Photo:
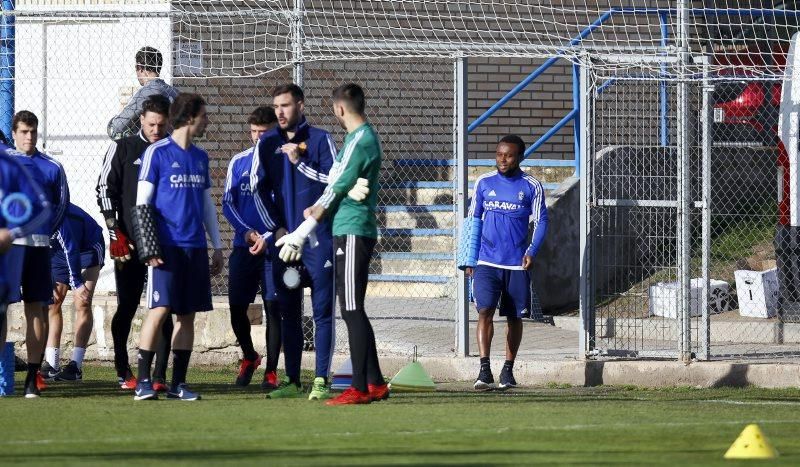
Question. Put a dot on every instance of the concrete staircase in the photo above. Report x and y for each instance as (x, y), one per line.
(415, 256)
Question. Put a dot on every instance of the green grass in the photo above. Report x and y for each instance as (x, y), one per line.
(96, 423)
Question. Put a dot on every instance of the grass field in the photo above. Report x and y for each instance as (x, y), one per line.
(96, 423)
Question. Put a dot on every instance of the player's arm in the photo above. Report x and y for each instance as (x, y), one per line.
(317, 170)
(71, 246)
(229, 199)
(261, 189)
(540, 219)
(121, 124)
(62, 202)
(473, 230)
(109, 198)
(212, 229)
(145, 230)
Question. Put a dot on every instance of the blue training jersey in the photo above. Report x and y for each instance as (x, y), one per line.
(49, 174)
(238, 203)
(180, 178)
(292, 187)
(507, 205)
(79, 233)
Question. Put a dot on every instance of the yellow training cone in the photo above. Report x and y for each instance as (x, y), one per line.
(751, 444)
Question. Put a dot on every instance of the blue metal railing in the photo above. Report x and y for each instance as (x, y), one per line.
(573, 115)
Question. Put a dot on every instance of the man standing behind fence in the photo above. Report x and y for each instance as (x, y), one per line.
(148, 68)
(504, 203)
(116, 195)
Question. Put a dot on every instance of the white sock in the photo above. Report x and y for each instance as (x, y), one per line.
(77, 355)
(53, 356)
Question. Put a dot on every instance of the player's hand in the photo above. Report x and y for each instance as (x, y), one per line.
(217, 262)
(155, 262)
(82, 293)
(292, 247)
(469, 271)
(259, 246)
(119, 246)
(527, 262)
(5, 240)
(59, 292)
(292, 151)
(251, 237)
(360, 191)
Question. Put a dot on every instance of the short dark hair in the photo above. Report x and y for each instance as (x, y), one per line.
(517, 141)
(149, 59)
(157, 104)
(262, 115)
(352, 95)
(185, 107)
(24, 116)
(293, 89)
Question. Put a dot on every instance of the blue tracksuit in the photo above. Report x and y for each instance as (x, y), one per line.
(239, 207)
(49, 174)
(15, 178)
(77, 245)
(290, 189)
(507, 204)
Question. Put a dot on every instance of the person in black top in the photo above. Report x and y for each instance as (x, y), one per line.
(116, 195)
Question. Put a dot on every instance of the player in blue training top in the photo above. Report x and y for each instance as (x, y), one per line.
(291, 168)
(19, 192)
(174, 212)
(77, 253)
(248, 271)
(29, 258)
(504, 203)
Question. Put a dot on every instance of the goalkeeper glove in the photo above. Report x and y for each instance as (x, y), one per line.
(119, 246)
(360, 191)
(292, 243)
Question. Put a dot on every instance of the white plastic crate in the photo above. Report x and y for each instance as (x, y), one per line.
(757, 293)
(664, 297)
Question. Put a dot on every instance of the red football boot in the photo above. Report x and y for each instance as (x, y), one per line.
(350, 396)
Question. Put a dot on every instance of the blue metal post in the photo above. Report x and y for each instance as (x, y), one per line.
(7, 47)
(664, 110)
(576, 105)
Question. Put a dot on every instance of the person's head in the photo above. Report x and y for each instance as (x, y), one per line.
(155, 117)
(25, 129)
(148, 64)
(189, 110)
(348, 100)
(509, 154)
(261, 120)
(288, 101)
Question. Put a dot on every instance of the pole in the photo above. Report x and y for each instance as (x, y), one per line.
(586, 338)
(462, 195)
(683, 171)
(7, 64)
(298, 67)
(705, 116)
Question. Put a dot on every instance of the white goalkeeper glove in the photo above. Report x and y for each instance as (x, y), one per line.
(292, 243)
(360, 191)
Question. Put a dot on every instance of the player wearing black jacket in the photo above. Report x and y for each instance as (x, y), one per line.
(116, 195)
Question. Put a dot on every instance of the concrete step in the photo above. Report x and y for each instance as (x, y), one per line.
(415, 240)
(419, 264)
(384, 285)
(412, 217)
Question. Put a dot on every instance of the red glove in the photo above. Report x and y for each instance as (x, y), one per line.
(120, 247)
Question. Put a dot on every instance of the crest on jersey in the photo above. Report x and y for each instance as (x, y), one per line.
(521, 195)
(156, 296)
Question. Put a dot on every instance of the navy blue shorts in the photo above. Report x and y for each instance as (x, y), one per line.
(28, 268)
(505, 289)
(246, 275)
(182, 283)
(89, 259)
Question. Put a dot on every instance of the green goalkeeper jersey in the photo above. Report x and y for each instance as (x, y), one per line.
(360, 157)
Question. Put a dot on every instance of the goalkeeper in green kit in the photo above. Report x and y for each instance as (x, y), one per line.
(355, 233)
